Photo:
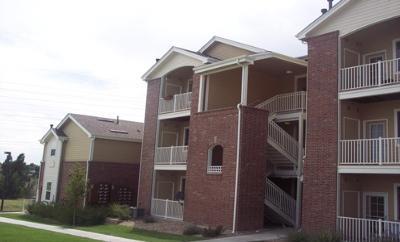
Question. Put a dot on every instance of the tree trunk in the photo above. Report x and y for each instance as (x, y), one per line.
(2, 204)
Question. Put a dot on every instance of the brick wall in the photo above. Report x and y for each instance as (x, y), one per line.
(66, 169)
(319, 187)
(40, 182)
(148, 145)
(209, 198)
(252, 169)
(117, 174)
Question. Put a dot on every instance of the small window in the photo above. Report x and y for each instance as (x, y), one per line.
(48, 191)
(52, 152)
(215, 159)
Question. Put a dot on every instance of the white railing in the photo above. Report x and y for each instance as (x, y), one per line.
(287, 102)
(280, 199)
(370, 75)
(179, 102)
(381, 151)
(359, 229)
(174, 155)
(167, 208)
(281, 138)
(214, 169)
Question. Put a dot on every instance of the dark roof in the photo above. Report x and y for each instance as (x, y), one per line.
(59, 132)
(109, 128)
(213, 59)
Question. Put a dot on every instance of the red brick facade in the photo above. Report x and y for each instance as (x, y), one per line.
(65, 171)
(320, 167)
(252, 169)
(208, 197)
(148, 145)
(40, 183)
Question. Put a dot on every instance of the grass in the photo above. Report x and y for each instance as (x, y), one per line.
(17, 233)
(113, 229)
(14, 205)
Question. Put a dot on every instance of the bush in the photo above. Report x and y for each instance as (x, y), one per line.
(327, 237)
(212, 232)
(298, 237)
(119, 211)
(191, 230)
(149, 219)
(64, 214)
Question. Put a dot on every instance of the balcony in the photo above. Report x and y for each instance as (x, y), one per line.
(177, 105)
(167, 208)
(362, 155)
(373, 79)
(171, 158)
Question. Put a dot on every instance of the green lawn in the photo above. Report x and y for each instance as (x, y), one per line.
(15, 205)
(17, 233)
(115, 230)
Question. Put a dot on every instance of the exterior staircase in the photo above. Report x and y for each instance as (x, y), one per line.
(282, 149)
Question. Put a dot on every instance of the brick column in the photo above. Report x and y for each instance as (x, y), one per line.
(320, 167)
(148, 145)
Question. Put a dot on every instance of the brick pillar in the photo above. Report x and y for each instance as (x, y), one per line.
(320, 167)
(40, 182)
(252, 169)
(148, 145)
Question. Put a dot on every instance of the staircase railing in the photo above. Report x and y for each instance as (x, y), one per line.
(281, 200)
(279, 137)
(286, 102)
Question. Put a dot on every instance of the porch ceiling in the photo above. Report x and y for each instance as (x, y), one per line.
(381, 98)
(278, 67)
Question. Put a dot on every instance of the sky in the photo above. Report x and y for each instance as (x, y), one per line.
(88, 56)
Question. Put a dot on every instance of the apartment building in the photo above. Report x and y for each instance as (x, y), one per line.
(107, 149)
(224, 136)
(352, 164)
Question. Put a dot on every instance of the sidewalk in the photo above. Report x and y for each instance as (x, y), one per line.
(75, 232)
(267, 235)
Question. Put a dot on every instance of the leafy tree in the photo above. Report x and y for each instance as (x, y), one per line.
(76, 189)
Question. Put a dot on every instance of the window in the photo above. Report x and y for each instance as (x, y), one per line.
(375, 205)
(48, 191)
(52, 152)
(215, 159)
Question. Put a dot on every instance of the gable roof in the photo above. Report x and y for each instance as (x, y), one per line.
(239, 45)
(105, 128)
(195, 55)
(321, 19)
(59, 134)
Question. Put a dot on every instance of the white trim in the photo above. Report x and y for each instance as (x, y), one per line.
(170, 132)
(302, 34)
(184, 135)
(352, 52)
(358, 123)
(367, 92)
(170, 167)
(206, 94)
(231, 43)
(201, 94)
(377, 194)
(174, 115)
(172, 50)
(158, 188)
(382, 53)
(244, 84)
(396, 207)
(368, 169)
(386, 121)
(358, 201)
(235, 199)
(172, 85)
(396, 128)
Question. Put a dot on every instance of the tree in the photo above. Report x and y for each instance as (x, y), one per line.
(13, 178)
(76, 189)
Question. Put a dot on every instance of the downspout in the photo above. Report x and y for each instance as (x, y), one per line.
(90, 158)
(237, 170)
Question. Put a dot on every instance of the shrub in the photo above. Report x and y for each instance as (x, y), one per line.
(212, 232)
(298, 237)
(119, 211)
(149, 219)
(191, 230)
(326, 237)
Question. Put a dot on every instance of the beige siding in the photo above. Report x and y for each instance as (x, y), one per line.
(358, 14)
(116, 151)
(173, 62)
(223, 51)
(78, 144)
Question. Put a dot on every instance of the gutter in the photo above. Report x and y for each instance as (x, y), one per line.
(237, 172)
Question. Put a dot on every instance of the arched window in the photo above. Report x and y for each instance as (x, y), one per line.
(215, 159)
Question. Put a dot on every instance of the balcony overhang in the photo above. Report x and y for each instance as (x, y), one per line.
(172, 115)
(370, 169)
(170, 167)
(369, 92)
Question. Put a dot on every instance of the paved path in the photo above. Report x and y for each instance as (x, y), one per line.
(267, 235)
(62, 230)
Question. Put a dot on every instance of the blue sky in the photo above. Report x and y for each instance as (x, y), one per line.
(59, 57)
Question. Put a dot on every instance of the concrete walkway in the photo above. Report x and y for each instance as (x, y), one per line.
(265, 235)
(74, 232)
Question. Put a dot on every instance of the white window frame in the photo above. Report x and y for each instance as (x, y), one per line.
(365, 122)
(374, 54)
(48, 190)
(396, 207)
(209, 160)
(358, 200)
(358, 123)
(184, 135)
(376, 194)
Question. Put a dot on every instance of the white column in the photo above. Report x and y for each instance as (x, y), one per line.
(201, 94)
(299, 171)
(245, 80)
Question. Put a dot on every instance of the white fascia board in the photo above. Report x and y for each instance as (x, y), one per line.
(290, 59)
(303, 33)
(225, 64)
(170, 52)
(232, 43)
(117, 139)
(44, 138)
